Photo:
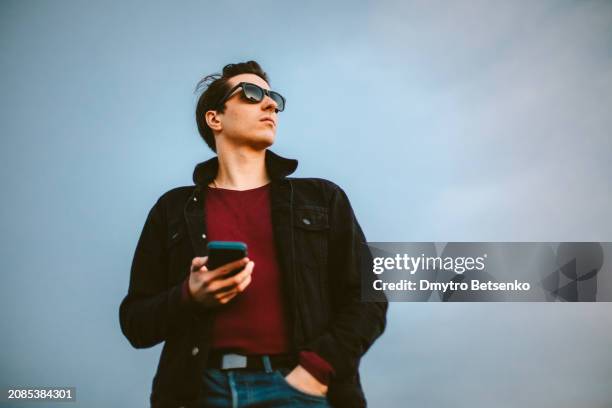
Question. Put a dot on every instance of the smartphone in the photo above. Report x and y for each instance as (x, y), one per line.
(223, 252)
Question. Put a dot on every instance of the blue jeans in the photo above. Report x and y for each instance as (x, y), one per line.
(254, 388)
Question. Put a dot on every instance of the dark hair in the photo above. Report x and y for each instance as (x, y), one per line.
(216, 86)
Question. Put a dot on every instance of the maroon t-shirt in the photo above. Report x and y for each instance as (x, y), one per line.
(253, 322)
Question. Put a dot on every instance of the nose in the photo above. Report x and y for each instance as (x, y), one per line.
(269, 104)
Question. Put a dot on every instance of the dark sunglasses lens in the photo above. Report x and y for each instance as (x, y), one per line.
(252, 92)
(280, 101)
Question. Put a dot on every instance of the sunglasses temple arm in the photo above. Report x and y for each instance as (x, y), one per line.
(222, 100)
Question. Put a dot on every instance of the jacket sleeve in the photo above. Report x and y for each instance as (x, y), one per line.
(354, 324)
(151, 310)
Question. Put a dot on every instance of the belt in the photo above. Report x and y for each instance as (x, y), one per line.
(225, 361)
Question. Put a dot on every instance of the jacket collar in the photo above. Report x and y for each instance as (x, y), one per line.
(277, 167)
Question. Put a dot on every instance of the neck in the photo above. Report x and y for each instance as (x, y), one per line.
(241, 168)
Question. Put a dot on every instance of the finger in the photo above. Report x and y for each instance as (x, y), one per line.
(228, 267)
(247, 271)
(237, 289)
(198, 262)
(223, 285)
(240, 276)
(204, 268)
(242, 286)
(226, 297)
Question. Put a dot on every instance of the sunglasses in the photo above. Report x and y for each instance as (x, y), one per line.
(255, 94)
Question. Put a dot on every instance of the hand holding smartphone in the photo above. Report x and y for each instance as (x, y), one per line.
(229, 268)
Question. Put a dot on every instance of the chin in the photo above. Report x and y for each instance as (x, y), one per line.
(262, 141)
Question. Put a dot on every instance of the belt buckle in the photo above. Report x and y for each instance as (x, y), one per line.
(231, 360)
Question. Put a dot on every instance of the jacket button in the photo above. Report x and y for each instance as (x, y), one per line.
(203, 236)
(195, 351)
(306, 221)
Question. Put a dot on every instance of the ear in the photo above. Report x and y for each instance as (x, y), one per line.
(213, 121)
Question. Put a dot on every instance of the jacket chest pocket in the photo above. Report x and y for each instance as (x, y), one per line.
(177, 246)
(311, 228)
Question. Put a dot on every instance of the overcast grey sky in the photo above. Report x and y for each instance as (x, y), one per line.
(443, 121)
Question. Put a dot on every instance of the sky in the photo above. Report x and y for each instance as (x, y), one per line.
(443, 121)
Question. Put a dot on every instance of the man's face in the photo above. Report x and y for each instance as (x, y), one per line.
(244, 122)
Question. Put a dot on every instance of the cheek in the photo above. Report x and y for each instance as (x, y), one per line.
(241, 119)
(244, 121)
(235, 123)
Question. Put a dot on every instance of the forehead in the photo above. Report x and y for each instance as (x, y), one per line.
(252, 78)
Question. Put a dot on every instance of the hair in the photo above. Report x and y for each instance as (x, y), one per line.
(216, 85)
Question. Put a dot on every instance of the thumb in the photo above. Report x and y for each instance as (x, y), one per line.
(198, 263)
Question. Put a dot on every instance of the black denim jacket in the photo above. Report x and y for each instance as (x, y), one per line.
(320, 246)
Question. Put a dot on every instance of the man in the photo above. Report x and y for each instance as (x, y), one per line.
(290, 328)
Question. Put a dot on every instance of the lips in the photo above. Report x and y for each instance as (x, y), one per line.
(268, 120)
